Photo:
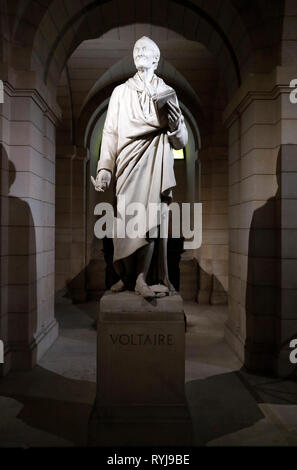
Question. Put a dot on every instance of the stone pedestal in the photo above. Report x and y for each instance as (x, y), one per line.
(141, 373)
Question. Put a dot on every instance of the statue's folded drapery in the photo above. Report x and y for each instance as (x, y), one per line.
(138, 147)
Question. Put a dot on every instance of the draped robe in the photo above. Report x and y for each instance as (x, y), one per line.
(137, 147)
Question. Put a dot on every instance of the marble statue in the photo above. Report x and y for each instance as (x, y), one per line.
(144, 122)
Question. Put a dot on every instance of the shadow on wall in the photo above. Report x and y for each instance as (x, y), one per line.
(19, 243)
(267, 345)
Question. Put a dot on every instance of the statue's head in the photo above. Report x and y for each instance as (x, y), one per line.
(146, 54)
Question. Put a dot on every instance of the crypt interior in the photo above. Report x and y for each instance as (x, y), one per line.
(231, 63)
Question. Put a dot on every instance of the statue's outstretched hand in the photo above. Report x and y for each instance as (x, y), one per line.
(174, 115)
(102, 181)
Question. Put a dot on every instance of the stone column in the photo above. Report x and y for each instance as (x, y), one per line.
(188, 277)
(65, 155)
(286, 213)
(78, 222)
(213, 254)
(96, 265)
(262, 197)
(4, 143)
(71, 221)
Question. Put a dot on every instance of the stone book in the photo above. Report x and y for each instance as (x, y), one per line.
(161, 101)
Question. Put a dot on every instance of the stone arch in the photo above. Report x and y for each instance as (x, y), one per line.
(188, 18)
(263, 20)
(235, 31)
(287, 49)
(4, 34)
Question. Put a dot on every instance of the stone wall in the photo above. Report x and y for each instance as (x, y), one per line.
(28, 325)
(262, 198)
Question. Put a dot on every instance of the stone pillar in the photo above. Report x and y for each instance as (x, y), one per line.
(65, 155)
(71, 221)
(286, 214)
(30, 227)
(213, 254)
(4, 143)
(141, 373)
(96, 265)
(262, 197)
(79, 225)
(188, 277)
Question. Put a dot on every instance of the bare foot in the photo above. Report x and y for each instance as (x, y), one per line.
(118, 287)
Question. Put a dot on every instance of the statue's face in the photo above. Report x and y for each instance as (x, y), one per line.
(144, 55)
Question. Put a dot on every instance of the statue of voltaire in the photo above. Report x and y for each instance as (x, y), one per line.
(137, 146)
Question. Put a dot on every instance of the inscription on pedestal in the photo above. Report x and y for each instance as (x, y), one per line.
(142, 339)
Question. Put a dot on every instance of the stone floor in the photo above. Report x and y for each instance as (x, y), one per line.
(50, 405)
